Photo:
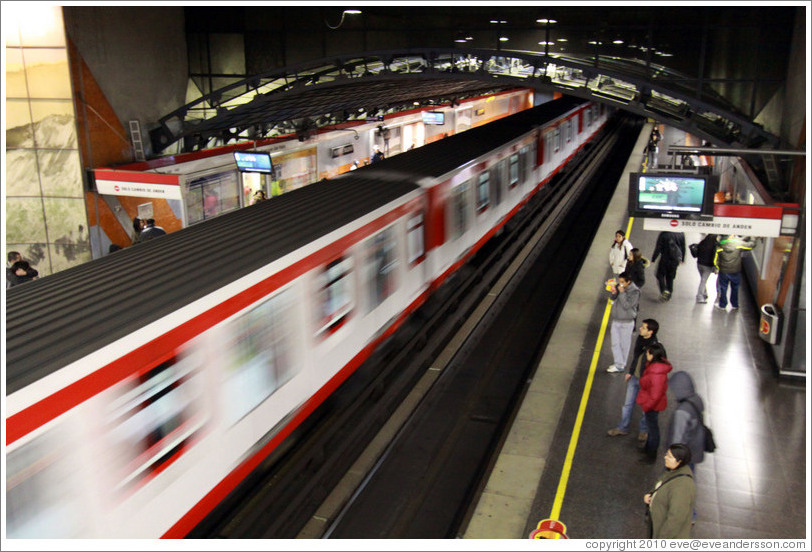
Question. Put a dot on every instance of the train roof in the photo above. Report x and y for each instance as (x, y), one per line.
(58, 319)
(63, 317)
(441, 157)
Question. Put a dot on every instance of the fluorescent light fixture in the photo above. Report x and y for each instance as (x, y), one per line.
(562, 40)
(352, 12)
(546, 21)
(618, 41)
(503, 39)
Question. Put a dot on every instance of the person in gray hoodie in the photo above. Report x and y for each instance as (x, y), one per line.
(685, 424)
(626, 298)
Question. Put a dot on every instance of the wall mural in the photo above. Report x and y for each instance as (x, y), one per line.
(46, 217)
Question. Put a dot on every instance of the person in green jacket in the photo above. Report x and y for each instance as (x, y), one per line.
(671, 501)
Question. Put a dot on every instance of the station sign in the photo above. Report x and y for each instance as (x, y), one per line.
(768, 228)
(135, 184)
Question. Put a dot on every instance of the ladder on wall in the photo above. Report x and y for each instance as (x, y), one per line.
(135, 138)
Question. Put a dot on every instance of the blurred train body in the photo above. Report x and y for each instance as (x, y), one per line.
(144, 386)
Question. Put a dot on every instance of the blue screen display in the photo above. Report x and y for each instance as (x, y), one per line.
(252, 161)
(433, 118)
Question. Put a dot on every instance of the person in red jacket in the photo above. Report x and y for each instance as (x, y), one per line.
(652, 397)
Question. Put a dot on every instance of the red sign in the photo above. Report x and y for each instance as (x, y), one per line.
(765, 327)
(674, 223)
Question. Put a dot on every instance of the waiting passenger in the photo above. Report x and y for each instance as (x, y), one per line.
(151, 231)
(22, 272)
(626, 297)
(138, 225)
(728, 261)
(671, 250)
(378, 155)
(671, 502)
(652, 397)
(258, 196)
(619, 253)
(11, 258)
(636, 267)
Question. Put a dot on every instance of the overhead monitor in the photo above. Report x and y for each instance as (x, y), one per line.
(253, 161)
(671, 195)
(433, 118)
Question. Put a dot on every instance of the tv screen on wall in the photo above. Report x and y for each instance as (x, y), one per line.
(671, 195)
(433, 118)
(253, 161)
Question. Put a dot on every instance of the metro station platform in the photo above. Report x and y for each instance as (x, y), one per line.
(558, 461)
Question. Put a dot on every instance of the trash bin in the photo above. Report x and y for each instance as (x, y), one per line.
(770, 327)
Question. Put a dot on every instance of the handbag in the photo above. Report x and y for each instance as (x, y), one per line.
(694, 248)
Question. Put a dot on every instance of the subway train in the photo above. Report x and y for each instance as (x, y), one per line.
(142, 387)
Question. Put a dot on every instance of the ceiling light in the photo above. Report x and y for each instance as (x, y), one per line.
(546, 21)
(494, 21)
(352, 12)
(562, 40)
(618, 41)
(545, 43)
(503, 39)
(469, 38)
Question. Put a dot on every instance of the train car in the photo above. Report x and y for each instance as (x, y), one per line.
(142, 387)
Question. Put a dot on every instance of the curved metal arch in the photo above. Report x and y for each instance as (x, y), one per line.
(285, 99)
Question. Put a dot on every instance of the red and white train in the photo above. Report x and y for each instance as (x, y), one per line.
(142, 387)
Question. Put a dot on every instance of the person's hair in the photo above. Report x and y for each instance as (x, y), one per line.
(113, 247)
(621, 232)
(137, 224)
(636, 255)
(625, 275)
(681, 453)
(652, 325)
(657, 352)
(14, 256)
(150, 222)
(20, 264)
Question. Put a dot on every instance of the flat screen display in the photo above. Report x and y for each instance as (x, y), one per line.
(433, 118)
(253, 161)
(670, 195)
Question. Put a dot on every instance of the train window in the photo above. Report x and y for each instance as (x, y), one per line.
(459, 210)
(415, 230)
(154, 419)
(588, 114)
(260, 359)
(568, 131)
(212, 195)
(335, 295)
(557, 139)
(380, 271)
(483, 192)
(514, 171)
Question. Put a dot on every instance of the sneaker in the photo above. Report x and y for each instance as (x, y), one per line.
(716, 306)
(642, 436)
(614, 369)
(614, 432)
(701, 300)
(734, 309)
(667, 295)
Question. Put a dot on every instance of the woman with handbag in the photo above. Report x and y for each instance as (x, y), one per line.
(670, 504)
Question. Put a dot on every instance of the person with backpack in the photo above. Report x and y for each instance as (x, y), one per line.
(728, 262)
(670, 249)
(686, 423)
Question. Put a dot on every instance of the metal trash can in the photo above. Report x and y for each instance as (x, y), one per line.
(770, 327)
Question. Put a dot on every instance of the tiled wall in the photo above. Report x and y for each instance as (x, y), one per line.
(46, 218)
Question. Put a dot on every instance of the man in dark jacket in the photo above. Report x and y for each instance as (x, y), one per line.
(647, 336)
(671, 250)
(728, 262)
(151, 231)
(706, 252)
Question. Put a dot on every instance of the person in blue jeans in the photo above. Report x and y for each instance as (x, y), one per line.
(728, 261)
(647, 336)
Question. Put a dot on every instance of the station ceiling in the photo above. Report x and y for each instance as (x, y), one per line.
(617, 54)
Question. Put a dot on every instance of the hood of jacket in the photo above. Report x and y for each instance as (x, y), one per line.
(681, 384)
(660, 367)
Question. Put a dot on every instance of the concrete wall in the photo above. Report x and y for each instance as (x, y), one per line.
(137, 56)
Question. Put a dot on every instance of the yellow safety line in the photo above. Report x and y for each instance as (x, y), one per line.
(576, 430)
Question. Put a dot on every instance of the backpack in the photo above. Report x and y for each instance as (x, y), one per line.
(674, 250)
(709, 443)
